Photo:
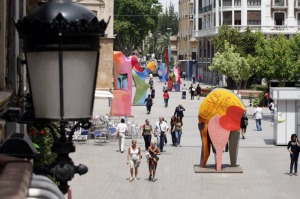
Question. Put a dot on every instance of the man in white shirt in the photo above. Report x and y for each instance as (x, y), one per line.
(258, 116)
(121, 129)
(161, 128)
(184, 89)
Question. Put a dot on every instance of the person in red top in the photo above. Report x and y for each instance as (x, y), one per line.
(166, 98)
(267, 98)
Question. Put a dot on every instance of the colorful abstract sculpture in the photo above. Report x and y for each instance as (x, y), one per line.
(121, 104)
(140, 85)
(162, 73)
(219, 114)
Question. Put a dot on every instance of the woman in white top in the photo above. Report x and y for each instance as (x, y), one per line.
(134, 158)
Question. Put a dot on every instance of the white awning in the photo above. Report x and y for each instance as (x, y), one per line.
(103, 94)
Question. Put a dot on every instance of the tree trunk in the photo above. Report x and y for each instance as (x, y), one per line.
(238, 84)
(245, 86)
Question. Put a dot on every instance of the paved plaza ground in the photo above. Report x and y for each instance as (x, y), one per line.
(265, 166)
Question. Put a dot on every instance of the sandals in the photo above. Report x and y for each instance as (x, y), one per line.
(131, 179)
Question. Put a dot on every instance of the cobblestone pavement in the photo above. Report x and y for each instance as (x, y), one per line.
(265, 166)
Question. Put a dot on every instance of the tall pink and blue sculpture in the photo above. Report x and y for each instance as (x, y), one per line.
(121, 104)
(127, 69)
(219, 120)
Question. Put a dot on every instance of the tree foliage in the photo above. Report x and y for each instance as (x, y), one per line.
(274, 58)
(232, 65)
(168, 19)
(133, 19)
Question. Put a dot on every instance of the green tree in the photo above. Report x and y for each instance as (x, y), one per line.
(232, 65)
(246, 42)
(162, 44)
(168, 19)
(273, 59)
(227, 34)
(294, 56)
(133, 19)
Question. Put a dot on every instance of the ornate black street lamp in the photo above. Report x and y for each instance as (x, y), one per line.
(61, 41)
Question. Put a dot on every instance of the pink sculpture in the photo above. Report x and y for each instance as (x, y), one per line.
(121, 104)
(219, 138)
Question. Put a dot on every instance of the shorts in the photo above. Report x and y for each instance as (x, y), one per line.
(134, 163)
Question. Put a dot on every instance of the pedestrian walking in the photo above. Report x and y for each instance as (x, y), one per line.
(192, 91)
(134, 159)
(121, 130)
(179, 112)
(165, 87)
(151, 82)
(267, 98)
(272, 109)
(183, 74)
(166, 98)
(153, 151)
(183, 89)
(149, 103)
(161, 128)
(200, 78)
(178, 131)
(258, 116)
(152, 93)
(193, 78)
(147, 130)
(293, 148)
(244, 124)
(198, 91)
(172, 129)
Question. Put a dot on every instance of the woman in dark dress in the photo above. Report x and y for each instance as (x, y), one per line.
(198, 91)
(244, 124)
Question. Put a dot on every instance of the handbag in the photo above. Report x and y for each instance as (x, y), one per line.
(161, 132)
(246, 122)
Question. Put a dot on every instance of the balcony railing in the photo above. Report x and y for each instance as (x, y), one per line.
(255, 28)
(280, 4)
(205, 9)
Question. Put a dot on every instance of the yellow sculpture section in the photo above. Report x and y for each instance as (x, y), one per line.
(151, 66)
(217, 102)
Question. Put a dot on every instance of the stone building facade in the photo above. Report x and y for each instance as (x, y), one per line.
(104, 9)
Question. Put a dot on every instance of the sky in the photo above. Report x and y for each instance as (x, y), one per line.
(166, 3)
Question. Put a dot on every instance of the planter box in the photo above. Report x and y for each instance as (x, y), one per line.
(244, 93)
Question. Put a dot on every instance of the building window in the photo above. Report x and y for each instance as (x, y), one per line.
(279, 18)
(298, 18)
(194, 55)
(298, 3)
(237, 17)
(200, 24)
(254, 18)
(227, 3)
(278, 2)
(253, 2)
(227, 18)
(237, 2)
